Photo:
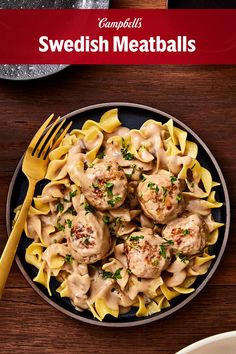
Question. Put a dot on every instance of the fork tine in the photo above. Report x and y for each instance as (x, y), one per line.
(45, 137)
(39, 133)
(49, 148)
(58, 141)
(50, 142)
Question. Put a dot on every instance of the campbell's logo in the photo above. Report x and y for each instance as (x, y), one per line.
(127, 23)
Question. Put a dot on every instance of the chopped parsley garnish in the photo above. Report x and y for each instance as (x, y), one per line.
(60, 207)
(95, 185)
(114, 201)
(168, 242)
(134, 168)
(128, 156)
(163, 250)
(73, 194)
(88, 208)
(163, 247)
(69, 223)
(143, 178)
(179, 197)
(136, 238)
(107, 275)
(109, 186)
(59, 226)
(72, 211)
(186, 232)
(118, 220)
(129, 175)
(125, 153)
(100, 155)
(115, 276)
(173, 179)
(164, 191)
(106, 219)
(68, 258)
(183, 258)
(129, 271)
(153, 187)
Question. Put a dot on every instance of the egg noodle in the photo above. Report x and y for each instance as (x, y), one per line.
(125, 220)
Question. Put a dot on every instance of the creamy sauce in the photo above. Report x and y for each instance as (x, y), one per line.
(115, 228)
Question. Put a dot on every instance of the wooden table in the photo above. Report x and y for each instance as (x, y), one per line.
(204, 98)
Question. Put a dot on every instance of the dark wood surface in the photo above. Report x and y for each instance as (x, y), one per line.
(204, 98)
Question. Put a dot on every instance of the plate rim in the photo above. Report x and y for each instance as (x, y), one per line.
(209, 275)
(205, 341)
(38, 77)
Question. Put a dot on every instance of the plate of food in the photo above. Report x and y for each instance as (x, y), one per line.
(131, 220)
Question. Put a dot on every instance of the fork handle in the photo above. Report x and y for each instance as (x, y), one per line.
(9, 251)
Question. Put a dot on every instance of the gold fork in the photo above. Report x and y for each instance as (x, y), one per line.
(34, 167)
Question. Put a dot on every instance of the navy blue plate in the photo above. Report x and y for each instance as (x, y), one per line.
(132, 116)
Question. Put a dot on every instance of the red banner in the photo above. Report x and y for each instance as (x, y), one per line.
(117, 36)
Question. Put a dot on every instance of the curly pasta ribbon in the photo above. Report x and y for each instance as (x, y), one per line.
(57, 170)
(169, 294)
(33, 254)
(54, 255)
(43, 277)
(93, 141)
(149, 287)
(147, 309)
(103, 309)
(109, 122)
(191, 149)
(63, 289)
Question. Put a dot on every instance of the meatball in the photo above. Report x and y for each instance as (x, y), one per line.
(188, 234)
(105, 185)
(160, 196)
(147, 255)
(88, 238)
